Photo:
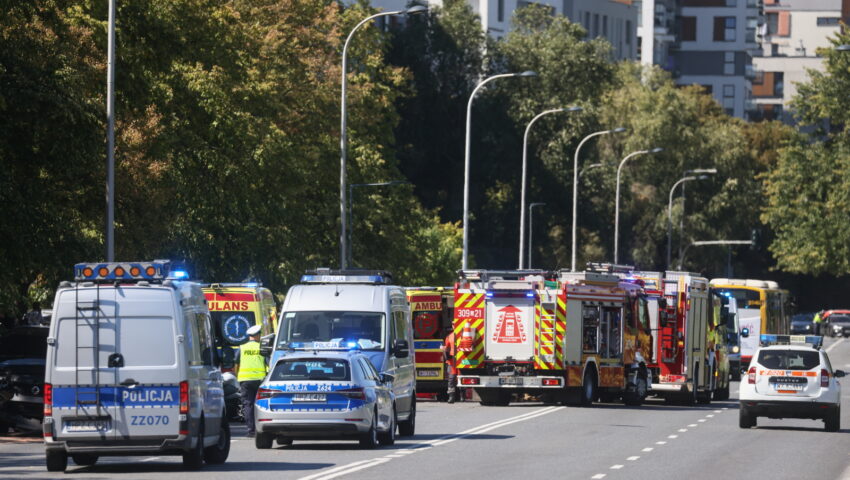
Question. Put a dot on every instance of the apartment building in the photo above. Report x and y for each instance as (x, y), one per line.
(615, 20)
(793, 32)
(657, 31)
(717, 39)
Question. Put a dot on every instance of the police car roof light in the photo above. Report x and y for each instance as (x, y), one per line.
(326, 275)
(178, 275)
(767, 339)
(156, 271)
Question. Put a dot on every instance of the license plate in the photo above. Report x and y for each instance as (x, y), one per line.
(428, 373)
(309, 397)
(510, 380)
(100, 425)
(792, 386)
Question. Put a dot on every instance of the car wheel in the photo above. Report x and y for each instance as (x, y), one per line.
(218, 453)
(57, 461)
(832, 421)
(194, 458)
(263, 441)
(407, 428)
(588, 391)
(284, 441)
(370, 438)
(745, 419)
(388, 437)
(84, 460)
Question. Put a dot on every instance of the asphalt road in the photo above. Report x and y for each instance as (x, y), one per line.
(525, 440)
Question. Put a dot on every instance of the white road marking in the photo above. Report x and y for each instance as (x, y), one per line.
(364, 464)
(661, 443)
(701, 420)
(616, 467)
(683, 430)
(829, 348)
(598, 476)
(672, 436)
(718, 411)
(709, 416)
(647, 449)
(633, 458)
(693, 425)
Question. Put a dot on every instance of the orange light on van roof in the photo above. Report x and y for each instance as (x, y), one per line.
(103, 271)
(135, 271)
(88, 272)
(151, 271)
(119, 272)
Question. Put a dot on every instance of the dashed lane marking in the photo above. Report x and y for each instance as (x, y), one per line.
(616, 467)
(692, 425)
(672, 436)
(598, 476)
(633, 458)
(701, 420)
(683, 430)
(709, 416)
(647, 449)
(661, 443)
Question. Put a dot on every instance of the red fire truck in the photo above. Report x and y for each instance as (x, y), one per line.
(689, 361)
(512, 336)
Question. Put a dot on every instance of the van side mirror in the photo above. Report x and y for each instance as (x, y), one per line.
(267, 345)
(838, 373)
(745, 332)
(401, 349)
(387, 378)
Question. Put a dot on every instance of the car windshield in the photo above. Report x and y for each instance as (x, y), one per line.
(839, 318)
(789, 359)
(801, 322)
(311, 369)
(322, 330)
(745, 298)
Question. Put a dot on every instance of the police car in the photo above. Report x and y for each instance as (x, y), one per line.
(791, 377)
(325, 395)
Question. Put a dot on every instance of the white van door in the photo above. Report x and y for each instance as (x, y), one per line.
(83, 338)
(510, 327)
(147, 363)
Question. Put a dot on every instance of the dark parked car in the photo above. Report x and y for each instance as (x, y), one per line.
(22, 361)
(838, 323)
(803, 324)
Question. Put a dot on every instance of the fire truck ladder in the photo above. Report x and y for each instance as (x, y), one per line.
(89, 324)
(547, 332)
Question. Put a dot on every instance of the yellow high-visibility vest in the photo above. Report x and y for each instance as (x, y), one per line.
(252, 365)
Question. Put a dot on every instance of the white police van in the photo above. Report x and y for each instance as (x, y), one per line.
(339, 310)
(132, 368)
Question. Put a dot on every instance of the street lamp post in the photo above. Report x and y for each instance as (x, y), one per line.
(527, 73)
(343, 134)
(525, 169)
(351, 187)
(110, 136)
(576, 174)
(530, 230)
(698, 171)
(617, 199)
(670, 207)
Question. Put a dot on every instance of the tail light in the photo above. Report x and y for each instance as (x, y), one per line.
(358, 393)
(824, 378)
(551, 382)
(751, 376)
(48, 399)
(264, 393)
(184, 397)
(470, 381)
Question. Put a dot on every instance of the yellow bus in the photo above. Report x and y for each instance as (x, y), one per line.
(762, 308)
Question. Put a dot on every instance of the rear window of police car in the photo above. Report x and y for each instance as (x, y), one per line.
(789, 359)
(311, 369)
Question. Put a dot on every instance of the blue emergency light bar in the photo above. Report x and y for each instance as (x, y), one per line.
(767, 339)
(326, 275)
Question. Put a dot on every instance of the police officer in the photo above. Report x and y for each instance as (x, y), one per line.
(250, 371)
(449, 348)
(818, 322)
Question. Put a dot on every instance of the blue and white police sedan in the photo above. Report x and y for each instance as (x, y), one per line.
(325, 395)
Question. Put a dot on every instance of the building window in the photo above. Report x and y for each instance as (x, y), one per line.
(728, 91)
(724, 29)
(595, 25)
(828, 21)
(752, 28)
(568, 9)
(689, 29)
(605, 26)
(728, 63)
(731, 3)
(500, 11)
(628, 32)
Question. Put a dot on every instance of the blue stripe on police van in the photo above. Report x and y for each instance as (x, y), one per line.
(141, 396)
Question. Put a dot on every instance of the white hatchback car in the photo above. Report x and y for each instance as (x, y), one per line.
(325, 395)
(791, 377)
